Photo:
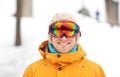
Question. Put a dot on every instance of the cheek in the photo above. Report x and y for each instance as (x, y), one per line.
(54, 41)
(73, 42)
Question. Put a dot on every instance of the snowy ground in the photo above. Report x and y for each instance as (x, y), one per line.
(100, 41)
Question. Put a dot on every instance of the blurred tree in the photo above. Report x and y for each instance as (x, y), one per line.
(84, 11)
(24, 8)
(112, 11)
(18, 16)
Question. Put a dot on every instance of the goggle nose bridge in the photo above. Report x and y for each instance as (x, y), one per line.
(64, 35)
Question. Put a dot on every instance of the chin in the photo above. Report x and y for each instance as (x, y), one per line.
(64, 50)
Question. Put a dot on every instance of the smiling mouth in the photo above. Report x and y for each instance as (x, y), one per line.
(63, 43)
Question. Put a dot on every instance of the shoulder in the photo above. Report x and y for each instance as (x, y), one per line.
(31, 68)
(95, 67)
(91, 63)
(91, 67)
(37, 63)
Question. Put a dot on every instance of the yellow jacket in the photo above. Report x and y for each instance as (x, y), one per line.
(63, 65)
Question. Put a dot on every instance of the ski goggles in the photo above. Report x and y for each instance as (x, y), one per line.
(64, 28)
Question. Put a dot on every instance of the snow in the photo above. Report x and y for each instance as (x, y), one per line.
(99, 40)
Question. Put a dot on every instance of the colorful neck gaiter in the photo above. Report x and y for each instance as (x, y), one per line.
(53, 50)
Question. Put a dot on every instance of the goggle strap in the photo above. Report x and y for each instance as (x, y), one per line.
(80, 34)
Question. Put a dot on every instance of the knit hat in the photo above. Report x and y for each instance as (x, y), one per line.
(63, 16)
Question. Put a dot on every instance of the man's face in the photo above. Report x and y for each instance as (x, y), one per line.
(64, 34)
(63, 44)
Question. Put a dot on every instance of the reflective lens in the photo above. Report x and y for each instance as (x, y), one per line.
(68, 29)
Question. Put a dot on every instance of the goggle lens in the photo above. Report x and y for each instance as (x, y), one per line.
(70, 29)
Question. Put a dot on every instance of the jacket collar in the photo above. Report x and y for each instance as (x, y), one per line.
(61, 58)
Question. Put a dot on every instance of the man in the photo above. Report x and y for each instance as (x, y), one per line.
(62, 55)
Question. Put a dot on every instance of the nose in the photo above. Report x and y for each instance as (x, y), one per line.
(64, 38)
